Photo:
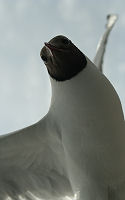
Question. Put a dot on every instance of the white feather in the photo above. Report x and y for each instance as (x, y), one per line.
(98, 60)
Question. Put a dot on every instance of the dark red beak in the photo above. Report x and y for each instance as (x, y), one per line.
(52, 47)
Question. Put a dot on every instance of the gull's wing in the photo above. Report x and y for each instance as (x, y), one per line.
(32, 164)
(98, 60)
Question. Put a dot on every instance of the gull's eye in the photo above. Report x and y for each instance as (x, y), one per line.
(65, 41)
(44, 58)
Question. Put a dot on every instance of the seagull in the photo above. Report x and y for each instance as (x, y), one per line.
(101, 47)
(77, 150)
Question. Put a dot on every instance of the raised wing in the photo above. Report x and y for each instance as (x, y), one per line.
(98, 60)
(32, 164)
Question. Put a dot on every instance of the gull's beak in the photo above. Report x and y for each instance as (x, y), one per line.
(49, 47)
(52, 47)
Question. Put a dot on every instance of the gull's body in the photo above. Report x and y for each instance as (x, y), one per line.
(79, 146)
(92, 131)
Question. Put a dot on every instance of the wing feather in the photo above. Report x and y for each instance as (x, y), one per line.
(98, 60)
(30, 167)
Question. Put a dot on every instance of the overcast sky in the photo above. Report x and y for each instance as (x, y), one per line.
(25, 25)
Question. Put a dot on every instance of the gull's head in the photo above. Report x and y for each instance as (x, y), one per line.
(62, 58)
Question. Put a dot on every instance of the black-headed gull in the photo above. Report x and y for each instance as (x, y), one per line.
(77, 150)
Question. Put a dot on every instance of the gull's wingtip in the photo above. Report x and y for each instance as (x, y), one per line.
(111, 20)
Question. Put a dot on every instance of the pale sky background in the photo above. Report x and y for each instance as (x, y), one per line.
(25, 25)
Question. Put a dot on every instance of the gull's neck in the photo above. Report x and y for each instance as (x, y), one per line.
(87, 100)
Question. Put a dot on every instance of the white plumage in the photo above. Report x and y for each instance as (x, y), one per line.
(77, 150)
(98, 60)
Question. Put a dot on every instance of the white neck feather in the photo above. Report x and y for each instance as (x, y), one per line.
(88, 94)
